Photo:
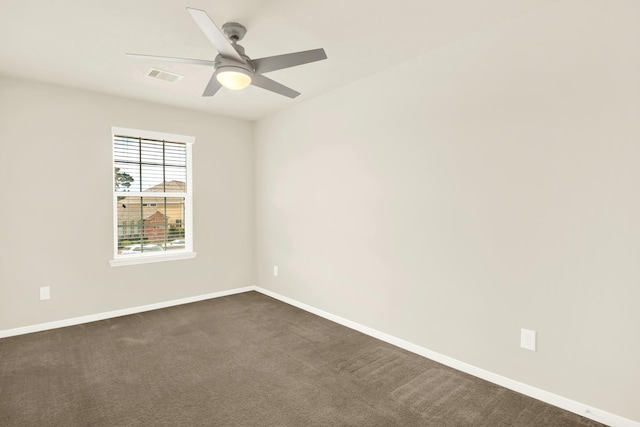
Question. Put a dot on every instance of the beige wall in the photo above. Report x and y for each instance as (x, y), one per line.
(56, 164)
(488, 186)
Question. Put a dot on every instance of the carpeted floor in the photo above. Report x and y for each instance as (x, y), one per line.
(242, 360)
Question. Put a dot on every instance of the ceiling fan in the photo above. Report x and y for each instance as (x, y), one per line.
(233, 69)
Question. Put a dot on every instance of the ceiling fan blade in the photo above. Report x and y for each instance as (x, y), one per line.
(272, 63)
(212, 87)
(273, 86)
(214, 34)
(172, 59)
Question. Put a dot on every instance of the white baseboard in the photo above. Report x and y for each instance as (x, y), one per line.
(536, 393)
(586, 411)
(117, 313)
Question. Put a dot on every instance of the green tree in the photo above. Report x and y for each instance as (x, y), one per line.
(122, 180)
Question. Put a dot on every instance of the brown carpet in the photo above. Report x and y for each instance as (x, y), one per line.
(242, 360)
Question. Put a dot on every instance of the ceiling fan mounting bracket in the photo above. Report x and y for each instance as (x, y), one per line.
(233, 31)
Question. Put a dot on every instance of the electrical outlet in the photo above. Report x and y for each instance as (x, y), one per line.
(45, 292)
(275, 270)
(528, 339)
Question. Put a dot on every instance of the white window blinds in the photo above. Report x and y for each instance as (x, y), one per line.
(152, 195)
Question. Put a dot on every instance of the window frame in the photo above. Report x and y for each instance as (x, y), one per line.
(152, 257)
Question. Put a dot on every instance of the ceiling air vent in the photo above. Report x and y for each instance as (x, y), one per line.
(163, 75)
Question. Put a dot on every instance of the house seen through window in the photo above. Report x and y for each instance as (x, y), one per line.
(152, 195)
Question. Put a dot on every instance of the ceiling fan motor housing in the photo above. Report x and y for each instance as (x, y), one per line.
(222, 62)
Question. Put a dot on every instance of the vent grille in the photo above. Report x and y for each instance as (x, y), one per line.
(163, 75)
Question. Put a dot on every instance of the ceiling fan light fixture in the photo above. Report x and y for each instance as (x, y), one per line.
(234, 78)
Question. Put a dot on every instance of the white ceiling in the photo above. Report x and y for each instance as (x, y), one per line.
(81, 43)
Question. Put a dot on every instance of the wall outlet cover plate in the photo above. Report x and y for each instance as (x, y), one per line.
(528, 339)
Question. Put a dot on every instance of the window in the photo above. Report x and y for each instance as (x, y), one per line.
(152, 200)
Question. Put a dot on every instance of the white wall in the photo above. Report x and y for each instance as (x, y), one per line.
(56, 215)
(488, 186)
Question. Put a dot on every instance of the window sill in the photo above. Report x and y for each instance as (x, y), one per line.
(147, 259)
